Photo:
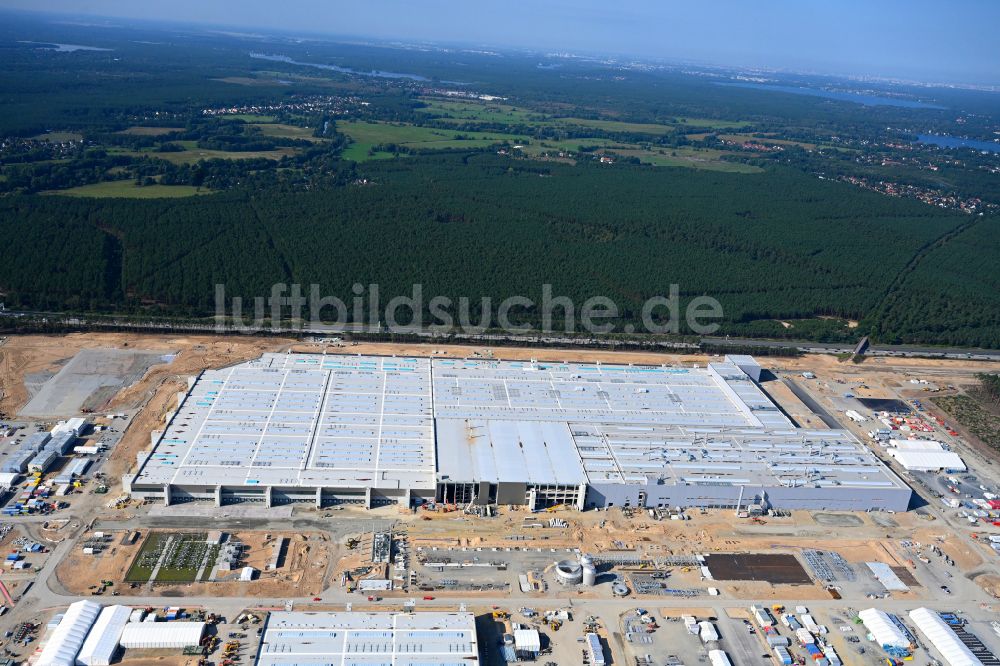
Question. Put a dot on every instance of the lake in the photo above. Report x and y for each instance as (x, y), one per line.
(946, 141)
(342, 70)
(860, 98)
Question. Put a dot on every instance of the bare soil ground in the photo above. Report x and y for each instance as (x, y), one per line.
(304, 572)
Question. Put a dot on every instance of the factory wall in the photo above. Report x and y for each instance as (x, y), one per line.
(779, 497)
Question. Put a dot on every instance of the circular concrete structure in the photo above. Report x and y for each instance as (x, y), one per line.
(569, 572)
(619, 589)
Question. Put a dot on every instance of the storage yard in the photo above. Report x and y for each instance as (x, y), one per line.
(443, 507)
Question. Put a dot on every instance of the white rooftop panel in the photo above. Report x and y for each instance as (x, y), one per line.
(425, 639)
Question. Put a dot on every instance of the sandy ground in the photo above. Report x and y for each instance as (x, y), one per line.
(304, 572)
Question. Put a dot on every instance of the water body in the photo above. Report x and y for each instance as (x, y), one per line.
(343, 70)
(860, 98)
(63, 48)
(946, 141)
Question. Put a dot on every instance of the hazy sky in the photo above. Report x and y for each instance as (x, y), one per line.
(929, 40)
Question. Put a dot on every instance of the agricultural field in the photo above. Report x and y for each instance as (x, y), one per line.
(251, 117)
(487, 112)
(367, 135)
(138, 130)
(491, 112)
(58, 137)
(692, 158)
(192, 153)
(287, 131)
(127, 189)
(172, 558)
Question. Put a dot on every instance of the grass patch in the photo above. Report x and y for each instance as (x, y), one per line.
(192, 154)
(487, 112)
(368, 134)
(58, 137)
(145, 560)
(978, 420)
(139, 130)
(251, 117)
(127, 189)
(287, 131)
(617, 126)
(691, 158)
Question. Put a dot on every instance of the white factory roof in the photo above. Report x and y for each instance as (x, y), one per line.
(883, 629)
(944, 640)
(303, 420)
(150, 635)
(66, 639)
(102, 641)
(369, 639)
(329, 421)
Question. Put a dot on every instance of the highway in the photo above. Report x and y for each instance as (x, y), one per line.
(618, 341)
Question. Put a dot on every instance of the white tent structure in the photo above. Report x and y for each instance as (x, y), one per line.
(939, 634)
(102, 641)
(151, 635)
(527, 642)
(883, 629)
(719, 658)
(67, 638)
(923, 460)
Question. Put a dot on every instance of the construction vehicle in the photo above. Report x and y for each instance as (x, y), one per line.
(500, 615)
(778, 608)
(555, 624)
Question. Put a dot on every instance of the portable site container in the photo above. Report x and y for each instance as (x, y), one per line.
(778, 641)
(784, 657)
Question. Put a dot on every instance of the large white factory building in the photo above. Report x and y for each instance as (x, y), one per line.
(335, 428)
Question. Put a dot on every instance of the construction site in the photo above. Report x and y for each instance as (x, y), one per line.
(441, 505)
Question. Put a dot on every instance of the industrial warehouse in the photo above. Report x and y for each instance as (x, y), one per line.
(374, 430)
(403, 639)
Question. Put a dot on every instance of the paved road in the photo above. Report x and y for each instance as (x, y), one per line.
(874, 350)
(542, 340)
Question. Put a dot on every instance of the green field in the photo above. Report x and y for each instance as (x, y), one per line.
(127, 189)
(138, 130)
(367, 134)
(487, 112)
(287, 131)
(692, 158)
(475, 111)
(250, 117)
(192, 153)
(58, 137)
(182, 555)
